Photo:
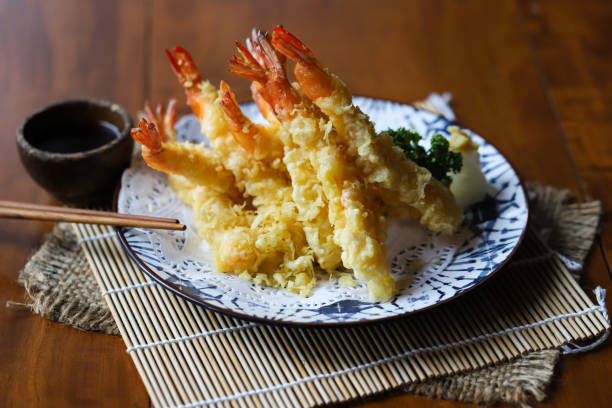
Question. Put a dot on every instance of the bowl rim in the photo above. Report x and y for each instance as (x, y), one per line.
(44, 155)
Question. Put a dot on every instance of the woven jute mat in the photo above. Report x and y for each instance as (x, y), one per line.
(61, 287)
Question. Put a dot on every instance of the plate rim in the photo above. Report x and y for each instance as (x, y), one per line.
(277, 322)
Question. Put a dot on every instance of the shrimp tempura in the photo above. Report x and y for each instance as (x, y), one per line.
(356, 228)
(252, 244)
(253, 154)
(383, 164)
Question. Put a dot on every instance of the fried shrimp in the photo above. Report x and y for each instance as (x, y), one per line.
(201, 96)
(316, 184)
(356, 228)
(253, 154)
(231, 134)
(383, 165)
(194, 162)
(266, 184)
(255, 140)
(258, 94)
(272, 193)
(266, 245)
(216, 215)
(307, 190)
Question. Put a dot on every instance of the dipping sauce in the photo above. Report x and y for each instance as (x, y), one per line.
(76, 137)
(77, 150)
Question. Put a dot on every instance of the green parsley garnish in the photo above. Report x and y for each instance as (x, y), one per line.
(438, 159)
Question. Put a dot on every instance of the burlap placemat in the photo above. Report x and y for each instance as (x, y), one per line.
(60, 285)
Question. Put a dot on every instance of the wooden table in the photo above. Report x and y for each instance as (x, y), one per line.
(533, 77)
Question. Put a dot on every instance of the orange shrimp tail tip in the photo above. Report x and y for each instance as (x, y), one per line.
(183, 66)
(290, 46)
(310, 74)
(281, 96)
(254, 45)
(175, 66)
(163, 119)
(257, 92)
(225, 89)
(265, 53)
(236, 119)
(259, 96)
(246, 66)
(147, 135)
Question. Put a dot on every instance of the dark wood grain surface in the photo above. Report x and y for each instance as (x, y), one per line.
(533, 77)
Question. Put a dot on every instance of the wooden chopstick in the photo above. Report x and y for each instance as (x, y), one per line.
(41, 207)
(27, 211)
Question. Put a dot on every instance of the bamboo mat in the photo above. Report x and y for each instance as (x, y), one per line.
(188, 356)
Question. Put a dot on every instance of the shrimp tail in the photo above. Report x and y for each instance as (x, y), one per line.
(258, 93)
(264, 52)
(263, 64)
(236, 118)
(163, 119)
(188, 76)
(147, 135)
(183, 66)
(258, 59)
(291, 47)
(255, 47)
(245, 65)
(313, 78)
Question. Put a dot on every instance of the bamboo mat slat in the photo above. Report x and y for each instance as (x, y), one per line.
(190, 356)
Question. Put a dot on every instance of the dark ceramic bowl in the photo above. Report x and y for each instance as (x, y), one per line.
(86, 169)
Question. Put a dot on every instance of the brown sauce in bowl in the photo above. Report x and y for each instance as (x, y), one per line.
(76, 137)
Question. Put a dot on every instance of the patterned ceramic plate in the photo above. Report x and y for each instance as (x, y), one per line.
(429, 268)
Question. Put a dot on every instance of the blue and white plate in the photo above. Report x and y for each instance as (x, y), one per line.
(429, 268)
